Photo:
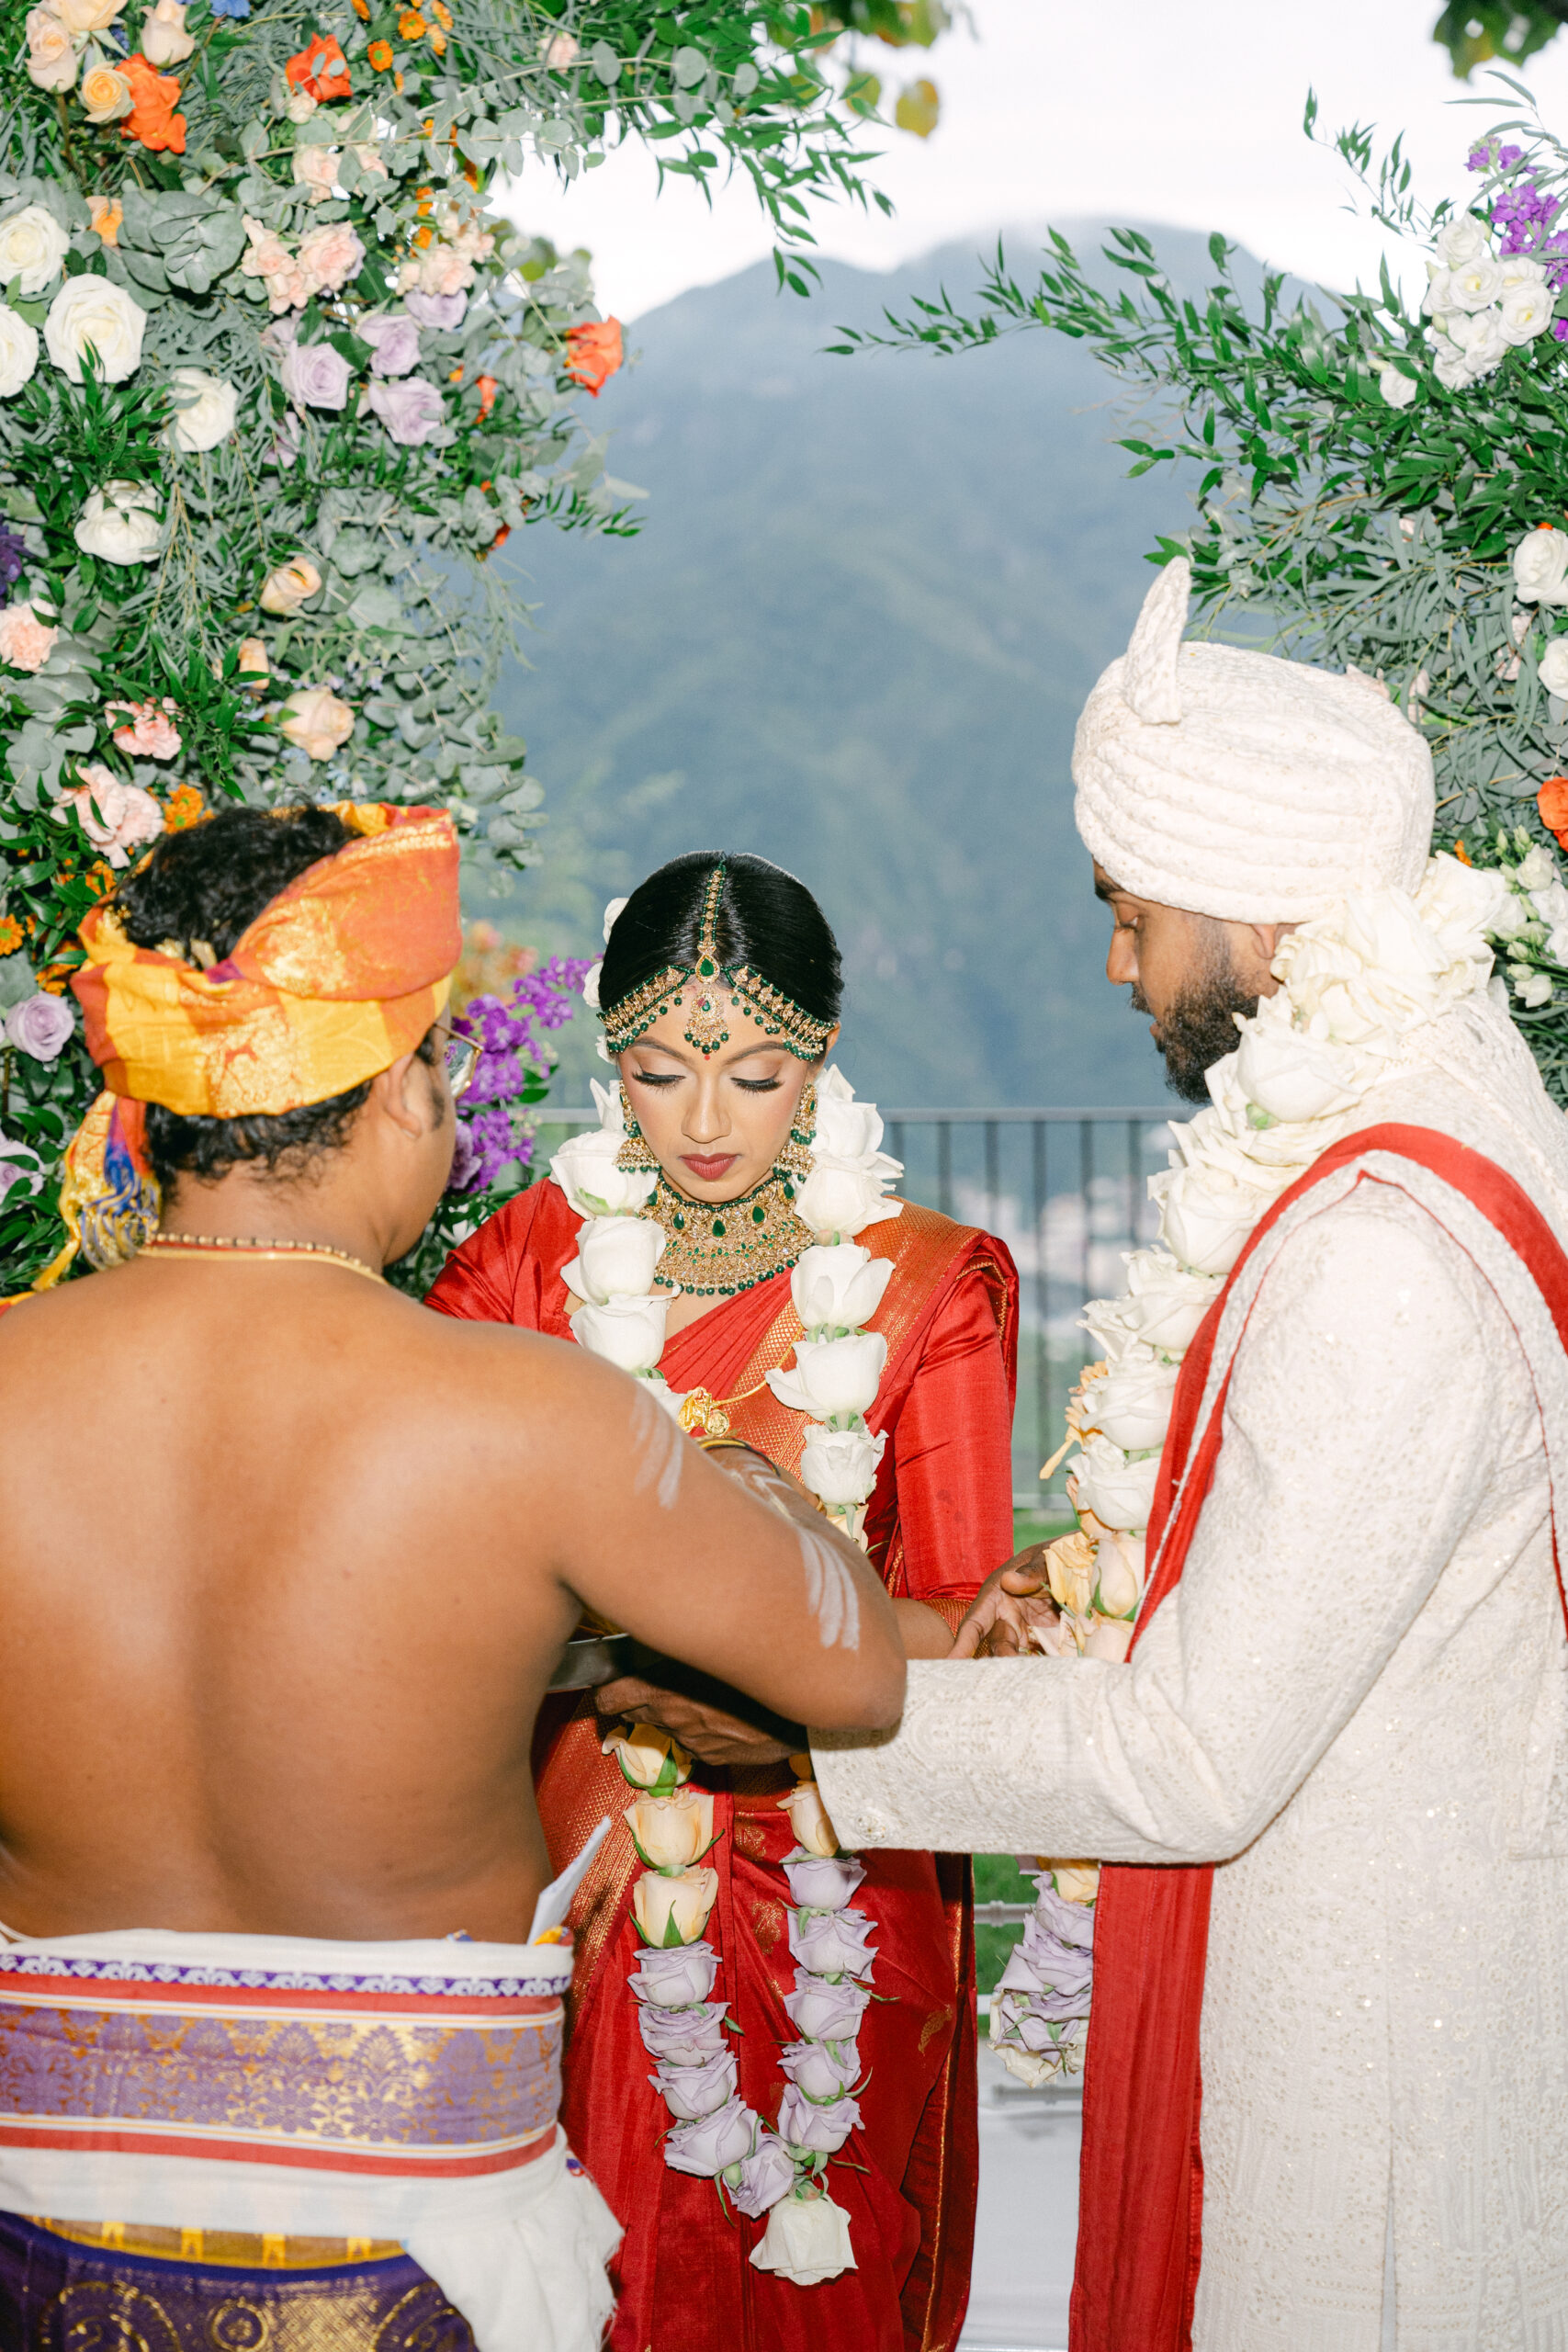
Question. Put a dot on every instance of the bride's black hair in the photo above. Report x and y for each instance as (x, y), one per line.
(765, 919)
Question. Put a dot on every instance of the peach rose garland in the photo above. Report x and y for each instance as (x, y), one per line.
(1353, 982)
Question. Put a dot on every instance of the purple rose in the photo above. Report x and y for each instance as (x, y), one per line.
(761, 2178)
(706, 2146)
(394, 339)
(825, 2012)
(821, 2069)
(682, 2037)
(39, 1025)
(1073, 1922)
(823, 1882)
(700, 2089)
(437, 310)
(677, 1979)
(11, 1172)
(831, 1943)
(805, 2124)
(314, 375)
(411, 411)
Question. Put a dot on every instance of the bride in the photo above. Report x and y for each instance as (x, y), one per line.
(720, 992)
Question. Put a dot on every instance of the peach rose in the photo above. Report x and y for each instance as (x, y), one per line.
(330, 257)
(253, 661)
(672, 1832)
(674, 1910)
(26, 642)
(107, 212)
(106, 94)
(808, 1819)
(648, 1758)
(285, 590)
(52, 61)
(165, 41)
(317, 721)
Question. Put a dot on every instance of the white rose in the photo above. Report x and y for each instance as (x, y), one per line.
(1475, 285)
(96, 312)
(19, 352)
(832, 1379)
(841, 1465)
(1132, 1404)
(32, 247)
(1462, 241)
(1120, 1562)
(838, 1286)
(615, 1259)
(120, 522)
(585, 1169)
(1553, 667)
(845, 1128)
(806, 2239)
(625, 1331)
(615, 908)
(590, 985)
(1167, 1303)
(1463, 904)
(52, 61)
(1397, 388)
(205, 408)
(165, 41)
(1120, 1493)
(1540, 567)
(1109, 1639)
(1205, 1216)
(843, 1201)
(1292, 1075)
(1526, 311)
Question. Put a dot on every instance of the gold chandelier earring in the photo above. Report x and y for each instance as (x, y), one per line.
(794, 1162)
(636, 1152)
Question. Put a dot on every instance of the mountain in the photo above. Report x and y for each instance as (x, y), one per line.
(867, 601)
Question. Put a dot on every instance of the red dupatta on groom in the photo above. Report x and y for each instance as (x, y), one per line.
(1141, 2189)
(941, 1519)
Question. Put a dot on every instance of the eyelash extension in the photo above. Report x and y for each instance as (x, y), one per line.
(653, 1078)
(758, 1085)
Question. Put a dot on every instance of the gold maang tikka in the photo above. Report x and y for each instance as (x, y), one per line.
(698, 991)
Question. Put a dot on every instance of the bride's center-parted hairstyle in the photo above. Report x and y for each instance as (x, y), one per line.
(720, 992)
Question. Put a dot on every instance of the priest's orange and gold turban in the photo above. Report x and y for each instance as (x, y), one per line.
(339, 975)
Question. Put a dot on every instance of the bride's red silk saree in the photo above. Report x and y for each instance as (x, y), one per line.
(941, 1520)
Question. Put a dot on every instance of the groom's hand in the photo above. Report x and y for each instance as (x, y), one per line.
(1011, 1600)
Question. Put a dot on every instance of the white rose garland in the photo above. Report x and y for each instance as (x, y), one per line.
(837, 1288)
(1354, 983)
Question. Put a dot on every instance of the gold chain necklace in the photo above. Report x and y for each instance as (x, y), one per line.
(218, 1245)
(714, 1248)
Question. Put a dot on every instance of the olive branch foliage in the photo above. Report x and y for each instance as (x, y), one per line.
(1330, 521)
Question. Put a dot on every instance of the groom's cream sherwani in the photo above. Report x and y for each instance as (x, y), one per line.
(1356, 1701)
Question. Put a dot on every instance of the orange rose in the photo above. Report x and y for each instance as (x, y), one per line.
(152, 118)
(1552, 802)
(320, 70)
(486, 387)
(594, 354)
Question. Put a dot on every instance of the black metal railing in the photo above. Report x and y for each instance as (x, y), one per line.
(1067, 1189)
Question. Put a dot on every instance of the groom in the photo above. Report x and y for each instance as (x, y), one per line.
(1326, 2090)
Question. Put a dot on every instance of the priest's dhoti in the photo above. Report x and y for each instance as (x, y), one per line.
(333, 2142)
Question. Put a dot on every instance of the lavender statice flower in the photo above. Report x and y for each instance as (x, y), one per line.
(13, 556)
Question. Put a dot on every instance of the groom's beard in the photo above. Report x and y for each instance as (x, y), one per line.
(1198, 1027)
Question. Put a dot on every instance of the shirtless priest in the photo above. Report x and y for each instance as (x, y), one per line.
(1327, 2087)
(286, 1563)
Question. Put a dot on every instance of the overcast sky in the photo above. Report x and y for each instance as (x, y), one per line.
(1154, 111)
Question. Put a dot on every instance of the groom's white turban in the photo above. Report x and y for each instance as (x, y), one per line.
(1240, 784)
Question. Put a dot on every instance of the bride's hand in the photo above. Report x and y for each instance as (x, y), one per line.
(709, 1731)
(1011, 1600)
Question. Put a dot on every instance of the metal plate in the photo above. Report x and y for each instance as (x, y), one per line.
(590, 1660)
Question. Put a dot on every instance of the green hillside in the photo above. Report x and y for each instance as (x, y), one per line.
(867, 603)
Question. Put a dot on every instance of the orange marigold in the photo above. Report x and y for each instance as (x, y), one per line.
(1552, 802)
(594, 354)
(10, 934)
(498, 542)
(321, 69)
(99, 877)
(53, 978)
(184, 807)
(362, 11)
(442, 14)
(380, 55)
(152, 118)
(437, 40)
(411, 25)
